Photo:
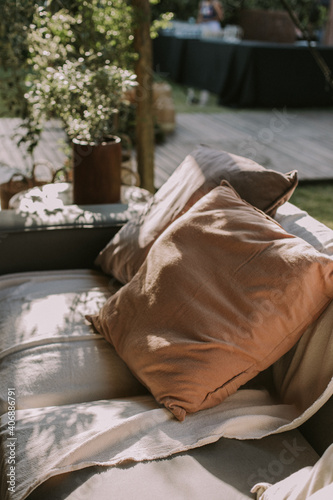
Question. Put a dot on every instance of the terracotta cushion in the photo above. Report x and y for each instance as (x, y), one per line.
(201, 171)
(223, 293)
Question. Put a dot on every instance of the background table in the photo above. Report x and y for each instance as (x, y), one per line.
(246, 74)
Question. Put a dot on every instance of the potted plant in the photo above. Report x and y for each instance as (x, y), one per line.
(81, 59)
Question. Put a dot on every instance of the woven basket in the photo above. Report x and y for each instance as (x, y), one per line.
(20, 182)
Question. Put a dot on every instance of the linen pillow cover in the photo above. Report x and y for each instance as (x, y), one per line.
(201, 171)
(224, 292)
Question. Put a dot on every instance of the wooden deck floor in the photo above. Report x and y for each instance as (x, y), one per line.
(279, 139)
(282, 140)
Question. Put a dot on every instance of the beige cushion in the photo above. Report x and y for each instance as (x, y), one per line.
(223, 293)
(201, 171)
(47, 352)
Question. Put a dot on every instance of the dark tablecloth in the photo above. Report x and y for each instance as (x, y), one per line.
(246, 73)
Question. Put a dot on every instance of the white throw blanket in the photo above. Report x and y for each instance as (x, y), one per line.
(310, 483)
(63, 426)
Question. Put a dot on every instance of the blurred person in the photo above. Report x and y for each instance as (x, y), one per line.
(211, 14)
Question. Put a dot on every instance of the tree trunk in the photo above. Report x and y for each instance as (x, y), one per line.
(144, 99)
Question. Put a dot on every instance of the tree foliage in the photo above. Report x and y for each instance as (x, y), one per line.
(15, 20)
(182, 10)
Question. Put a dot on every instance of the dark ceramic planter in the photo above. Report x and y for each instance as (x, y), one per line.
(96, 172)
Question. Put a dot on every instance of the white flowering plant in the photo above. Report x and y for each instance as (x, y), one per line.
(86, 101)
(82, 63)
